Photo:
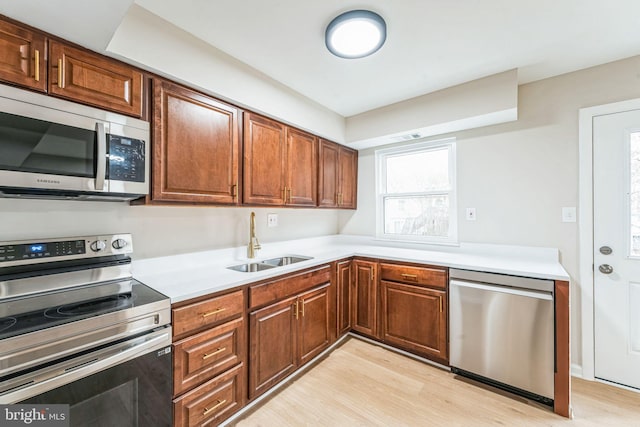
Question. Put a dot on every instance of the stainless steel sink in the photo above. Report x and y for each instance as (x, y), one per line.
(253, 267)
(250, 267)
(286, 260)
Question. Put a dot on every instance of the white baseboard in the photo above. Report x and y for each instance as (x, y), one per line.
(576, 370)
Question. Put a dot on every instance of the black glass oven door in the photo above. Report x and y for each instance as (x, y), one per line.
(135, 393)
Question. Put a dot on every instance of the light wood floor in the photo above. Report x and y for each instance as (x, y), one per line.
(361, 384)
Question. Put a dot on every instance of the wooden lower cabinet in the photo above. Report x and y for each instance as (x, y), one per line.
(313, 323)
(343, 289)
(209, 359)
(287, 334)
(212, 402)
(364, 300)
(272, 348)
(414, 318)
(207, 354)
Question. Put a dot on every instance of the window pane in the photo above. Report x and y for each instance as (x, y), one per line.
(634, 195)
(417, 216)
(417, 172)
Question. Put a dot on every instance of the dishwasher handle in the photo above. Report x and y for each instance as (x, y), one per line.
(548, 296)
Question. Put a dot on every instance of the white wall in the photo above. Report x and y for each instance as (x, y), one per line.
(159, 230)
(157, 45)
(519, 175)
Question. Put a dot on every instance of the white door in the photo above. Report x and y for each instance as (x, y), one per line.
(616, 213)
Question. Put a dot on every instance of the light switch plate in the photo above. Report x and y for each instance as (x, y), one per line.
(272, 220)
(569, 214)
(471, 214)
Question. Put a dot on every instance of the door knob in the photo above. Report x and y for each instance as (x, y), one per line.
(605, 269)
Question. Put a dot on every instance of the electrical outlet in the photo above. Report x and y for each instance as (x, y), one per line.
(471, 214)
(569, 214)
(272, 220)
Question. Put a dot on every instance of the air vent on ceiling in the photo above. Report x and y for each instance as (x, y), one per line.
(406, 137)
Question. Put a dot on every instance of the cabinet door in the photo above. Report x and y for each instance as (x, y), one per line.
(348, 178)
(23, 57)
(93, 79)
(344, 297)
(272, 344)
(364, 300)
(195, 147)
(313, 323)
(264, 161)
(328, 174)
(415, 318)
(302, 165)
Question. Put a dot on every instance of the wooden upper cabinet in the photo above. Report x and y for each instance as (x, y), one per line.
(337, 176)
(280, 163)
(196, 147)
(93, 79)
(264, 161)
(23, 57)
(301, 166)
(348, 178)
(328, 174)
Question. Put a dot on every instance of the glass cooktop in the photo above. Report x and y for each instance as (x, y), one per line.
(45, 311)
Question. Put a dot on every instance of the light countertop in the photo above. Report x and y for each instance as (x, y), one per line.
(185, 276)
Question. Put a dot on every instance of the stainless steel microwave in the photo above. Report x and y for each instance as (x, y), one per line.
(55, 149)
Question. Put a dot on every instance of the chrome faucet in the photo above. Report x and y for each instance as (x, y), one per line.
(254, 245)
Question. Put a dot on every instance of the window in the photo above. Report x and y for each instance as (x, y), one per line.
(416, 197)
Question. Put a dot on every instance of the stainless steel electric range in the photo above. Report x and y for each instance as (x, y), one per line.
(77, 329)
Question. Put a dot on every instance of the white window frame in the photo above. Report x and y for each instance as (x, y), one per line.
(381, 173)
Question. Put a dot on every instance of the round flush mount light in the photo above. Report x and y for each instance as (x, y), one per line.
(355, 34)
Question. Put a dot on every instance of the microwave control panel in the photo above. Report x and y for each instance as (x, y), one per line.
(126, 159)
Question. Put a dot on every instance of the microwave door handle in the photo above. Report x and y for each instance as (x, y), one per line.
(101, 168)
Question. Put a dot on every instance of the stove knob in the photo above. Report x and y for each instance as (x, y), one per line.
(119, 243)
(98, 246)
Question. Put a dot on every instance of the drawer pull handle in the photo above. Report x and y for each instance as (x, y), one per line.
(208, 355)
(296, 309)
(410, 276)
(211, 313)
(302, 308)
(37, 65)
(218, 404)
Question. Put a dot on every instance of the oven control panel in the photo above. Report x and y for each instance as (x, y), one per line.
(47, 250)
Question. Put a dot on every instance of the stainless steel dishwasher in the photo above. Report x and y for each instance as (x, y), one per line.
(501, 331)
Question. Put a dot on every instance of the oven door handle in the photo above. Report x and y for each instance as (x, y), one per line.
(32, 384)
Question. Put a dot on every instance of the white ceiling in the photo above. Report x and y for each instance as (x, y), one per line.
(431, 44)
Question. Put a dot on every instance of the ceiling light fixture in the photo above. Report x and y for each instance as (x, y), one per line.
(355, 34)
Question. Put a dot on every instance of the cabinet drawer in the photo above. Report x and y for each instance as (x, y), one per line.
(269, 292)
(428, 276)
(206, 313)
(205, 355)
(212, 402)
